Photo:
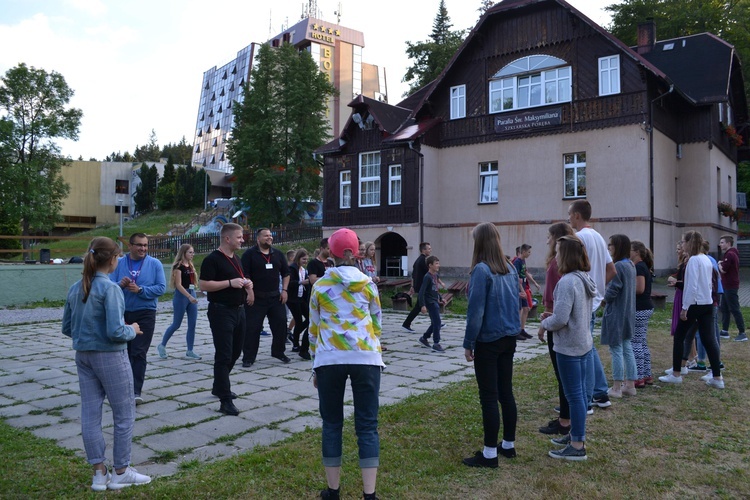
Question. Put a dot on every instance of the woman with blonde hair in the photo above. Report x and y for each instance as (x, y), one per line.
(368, 262)
(94, 318)
(492, 328)
(183, 280)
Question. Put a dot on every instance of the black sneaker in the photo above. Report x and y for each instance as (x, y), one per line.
(602, 401)
(228, 408)
(247, 364)
(569, 453)
(724, 334)
(295, 348)
(697, 368)
(330, 494)
(213, 393)
(554, 427)
(425, 342)
(305, 355)
(509, 453)
(283, 358)
(478, 460)
(408, 329)
(524, 335)
(561, 441)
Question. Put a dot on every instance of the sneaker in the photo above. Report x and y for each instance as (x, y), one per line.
(283, 358)
(264, 333)
(478, 460)
(590, 411)
(707, 376)
(192, 355)
(295, 348)
(683, 371)
(329, 494)
(671, 379)
(162, 350)
(130, 477)
(524, 335)
(228, 408)
(557, 409)
(305, 355)
(569, 453)
(555, 427)
(602, 401)
(408, 329)
(424, 342)
(100, 481)
(289, 336)
(741, 338)
(717, 383)
(698, 367)
(561, 441)
(437, 348)
(138, 400)
(724, 334)
(509, 453)
(247, 364)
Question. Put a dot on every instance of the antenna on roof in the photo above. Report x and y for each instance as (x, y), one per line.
(270, 28)
(338, 14)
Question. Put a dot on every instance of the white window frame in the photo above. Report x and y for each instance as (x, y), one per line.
(488, 182)
(394, 184)
(546, 77)
(609, 75)
(458, 102)
(573, 163)
(345, 189)
(369, 179)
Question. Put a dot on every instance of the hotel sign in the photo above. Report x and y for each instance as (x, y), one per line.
(528, 120)
(324, 33)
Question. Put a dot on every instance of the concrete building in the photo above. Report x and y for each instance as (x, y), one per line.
(336, 48)
(539, 107)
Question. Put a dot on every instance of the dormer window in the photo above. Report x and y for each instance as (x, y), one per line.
(531, 81)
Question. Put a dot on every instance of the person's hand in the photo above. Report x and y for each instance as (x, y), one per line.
(545, 315)
(283, 296)
(124, 282)
(537, 287)
(540, 334)
(137, 328)
(247, 284)
(683, 314)
(315, 380)
(193, 300)
(671, 281)
(469, 355)
(132, 287)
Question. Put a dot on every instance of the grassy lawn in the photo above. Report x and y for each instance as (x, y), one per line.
(666, 442)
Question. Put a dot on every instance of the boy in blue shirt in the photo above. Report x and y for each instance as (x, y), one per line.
(429, 299)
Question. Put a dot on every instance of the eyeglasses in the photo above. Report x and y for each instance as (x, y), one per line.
(140, 245)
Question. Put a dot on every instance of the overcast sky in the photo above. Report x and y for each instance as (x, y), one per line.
(137, 65)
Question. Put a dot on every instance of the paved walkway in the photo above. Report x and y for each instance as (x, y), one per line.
(179, 420)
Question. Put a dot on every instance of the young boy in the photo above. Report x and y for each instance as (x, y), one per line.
(429, 299)
(522, 253)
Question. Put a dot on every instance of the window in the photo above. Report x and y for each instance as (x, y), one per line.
(125, 209)
(345, 189)
(609, 75)
(394, 185)
(575, 175)
(488, 182)
(121, 187)
(526, 83)
(369, 179)
(357, 71)
(458, 102)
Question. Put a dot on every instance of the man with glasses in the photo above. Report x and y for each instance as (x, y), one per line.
(141, 278)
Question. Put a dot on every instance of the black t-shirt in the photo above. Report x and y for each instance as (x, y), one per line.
(187, 277)
(316, 267)
(218, 267)
(418, 271)
(643, 300)
(265, 280)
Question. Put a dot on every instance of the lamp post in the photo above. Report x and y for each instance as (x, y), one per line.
(119, 202)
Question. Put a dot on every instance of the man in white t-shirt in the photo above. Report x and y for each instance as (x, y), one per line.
(602, 270)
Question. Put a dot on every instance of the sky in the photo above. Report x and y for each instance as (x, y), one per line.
(138, 65)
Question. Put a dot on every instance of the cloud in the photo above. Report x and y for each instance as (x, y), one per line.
(95, 8)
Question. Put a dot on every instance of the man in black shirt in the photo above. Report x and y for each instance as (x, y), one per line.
(417, 275)
(227, 289)
(316, 268)
(265, 266)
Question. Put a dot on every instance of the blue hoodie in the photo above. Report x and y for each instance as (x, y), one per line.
(148, 274)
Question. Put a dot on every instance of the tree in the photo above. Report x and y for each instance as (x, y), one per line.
(279, 124)
(432, 56)
(34, 113)
(165, 193)
(145, 192)
(151, 152)
(182, 153)
(484, 6)
(127, 157)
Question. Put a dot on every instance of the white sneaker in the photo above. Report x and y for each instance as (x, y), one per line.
(708, 376)
(683, 371)
(671, 379)
(100, 480)
(130, 477)
(715, 382)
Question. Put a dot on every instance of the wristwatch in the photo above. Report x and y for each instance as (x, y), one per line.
(140, 289)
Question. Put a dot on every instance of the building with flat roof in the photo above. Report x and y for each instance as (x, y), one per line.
(337, 49)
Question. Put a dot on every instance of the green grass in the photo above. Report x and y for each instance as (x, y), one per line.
(666, 442)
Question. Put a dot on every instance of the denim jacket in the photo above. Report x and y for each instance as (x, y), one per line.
(98, 324)
(493, 305)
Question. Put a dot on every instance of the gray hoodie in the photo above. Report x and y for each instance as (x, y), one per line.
(571, 317)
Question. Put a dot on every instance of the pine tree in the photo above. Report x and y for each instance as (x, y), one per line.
(165, 194)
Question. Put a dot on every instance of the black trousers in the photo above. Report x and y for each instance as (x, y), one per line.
(301, 314)
(413, 313)
(139, 346)
(228, 332)
(272, 308)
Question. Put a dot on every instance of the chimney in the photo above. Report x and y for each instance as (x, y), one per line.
(646, 35)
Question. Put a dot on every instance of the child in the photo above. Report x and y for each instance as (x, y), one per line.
(526, 302)
(93, 318)
(429, 299)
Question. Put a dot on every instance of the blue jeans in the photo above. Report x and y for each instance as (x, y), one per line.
(107, 374)
(181, 305)
(573, 373)
(493, 368)
(623, 361)
(701, 348)
(433, 330)
(365, 389)
(596, 379)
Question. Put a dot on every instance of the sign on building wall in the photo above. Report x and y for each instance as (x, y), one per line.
(528, 120)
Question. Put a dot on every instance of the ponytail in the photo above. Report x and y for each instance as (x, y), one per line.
(100, 253)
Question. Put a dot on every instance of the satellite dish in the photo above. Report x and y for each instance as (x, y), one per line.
(237, 214)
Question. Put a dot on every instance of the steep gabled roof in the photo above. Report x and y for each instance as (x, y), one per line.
(680, 57)
(389, 117)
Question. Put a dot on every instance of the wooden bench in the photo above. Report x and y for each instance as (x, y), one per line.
(458, 287)
(394, 283)
(447, 299)
(659, 300)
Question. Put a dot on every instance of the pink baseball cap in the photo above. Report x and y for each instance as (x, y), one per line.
(341, 240)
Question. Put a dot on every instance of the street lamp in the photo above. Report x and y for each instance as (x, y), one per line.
(119, 202)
